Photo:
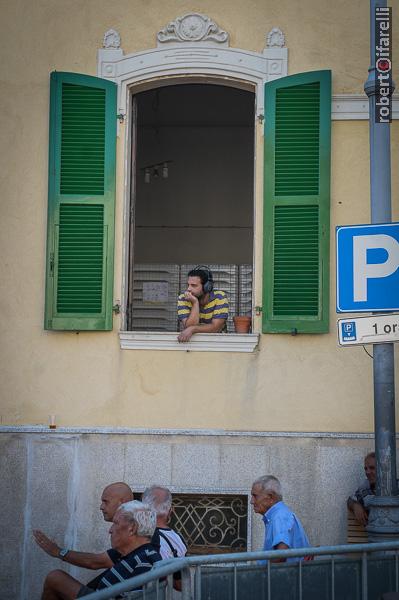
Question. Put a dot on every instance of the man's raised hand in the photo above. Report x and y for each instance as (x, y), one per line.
(46, 544)
(190, 297)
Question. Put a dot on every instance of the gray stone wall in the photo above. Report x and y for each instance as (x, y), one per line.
(53, 481)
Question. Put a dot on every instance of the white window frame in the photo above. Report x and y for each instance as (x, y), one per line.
(200, 53)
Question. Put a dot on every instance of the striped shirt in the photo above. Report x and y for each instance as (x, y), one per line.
(135, 563)
(216, 308)
(171, 545)
(174, 540)
(363, 491)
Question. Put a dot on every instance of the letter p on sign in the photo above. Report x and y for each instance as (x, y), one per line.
(362, 270)
(368, 268)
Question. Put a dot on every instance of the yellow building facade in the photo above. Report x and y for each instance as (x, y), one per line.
(217, 413)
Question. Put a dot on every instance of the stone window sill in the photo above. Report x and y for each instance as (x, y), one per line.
(200, 342)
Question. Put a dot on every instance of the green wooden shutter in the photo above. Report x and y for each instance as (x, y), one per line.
(80, 231)
(297, 204)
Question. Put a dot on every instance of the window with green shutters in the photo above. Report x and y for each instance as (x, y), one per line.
(297, 204)
(80, 232)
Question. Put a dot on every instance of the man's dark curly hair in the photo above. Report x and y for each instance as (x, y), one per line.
(201, 273)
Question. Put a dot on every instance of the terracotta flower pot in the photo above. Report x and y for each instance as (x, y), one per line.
(242, 324)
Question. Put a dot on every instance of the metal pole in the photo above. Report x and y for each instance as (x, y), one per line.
(384, 508)
(186, 583)
(384, 411)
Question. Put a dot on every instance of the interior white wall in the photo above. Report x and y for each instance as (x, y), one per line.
(203, 212)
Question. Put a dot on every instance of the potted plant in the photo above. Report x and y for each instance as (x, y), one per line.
(242, 323)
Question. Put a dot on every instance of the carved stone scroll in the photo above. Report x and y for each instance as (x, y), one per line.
(112, 39)
(193, 27)
(275, 38)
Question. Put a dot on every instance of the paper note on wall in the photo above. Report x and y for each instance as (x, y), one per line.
(155, 291)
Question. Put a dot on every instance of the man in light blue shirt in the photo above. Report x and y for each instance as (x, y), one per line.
(283, 529)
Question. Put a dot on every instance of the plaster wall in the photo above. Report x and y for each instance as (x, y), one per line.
(302, 383)
(54, 483)
(66, 36)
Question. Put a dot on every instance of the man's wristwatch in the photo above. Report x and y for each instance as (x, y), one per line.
(63, 552)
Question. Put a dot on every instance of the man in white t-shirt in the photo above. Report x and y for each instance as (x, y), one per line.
(169, 542)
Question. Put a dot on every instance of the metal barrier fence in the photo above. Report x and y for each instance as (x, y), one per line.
(348, 572)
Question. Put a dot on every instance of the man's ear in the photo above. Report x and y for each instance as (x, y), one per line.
(133, 528)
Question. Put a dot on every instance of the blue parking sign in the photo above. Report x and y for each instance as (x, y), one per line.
(348, 331)
(368, 268)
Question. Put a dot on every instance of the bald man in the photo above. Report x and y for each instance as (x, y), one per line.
(112, 497)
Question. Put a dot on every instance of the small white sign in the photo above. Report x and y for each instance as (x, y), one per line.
(155, 291)
(377, 329)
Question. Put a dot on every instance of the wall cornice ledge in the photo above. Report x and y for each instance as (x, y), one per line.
(353, 107)
(44, 429)
(200, 342)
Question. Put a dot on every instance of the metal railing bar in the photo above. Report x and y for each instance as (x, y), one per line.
(198, 583)
(235, 582)
(300, 578)
(364, 576)
(269, 587)
(169, 587)
(296, 552)
(332, 578)
(170, 566)
(186, 583)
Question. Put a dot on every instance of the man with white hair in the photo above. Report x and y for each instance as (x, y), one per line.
(131, 531)
(169, 542)
(283, 529)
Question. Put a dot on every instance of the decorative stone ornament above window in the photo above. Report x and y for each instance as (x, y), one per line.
(275, 38)
(192, 27)
(112, 39)
(192, 44)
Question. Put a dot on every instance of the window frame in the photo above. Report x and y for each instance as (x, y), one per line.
(153, 340)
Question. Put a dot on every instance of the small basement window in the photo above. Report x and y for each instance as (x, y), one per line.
(211, 523)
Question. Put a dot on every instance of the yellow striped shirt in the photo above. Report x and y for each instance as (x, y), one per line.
(216, 308)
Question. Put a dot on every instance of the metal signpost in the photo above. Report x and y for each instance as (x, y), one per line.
(384, 508)
(373, 256)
